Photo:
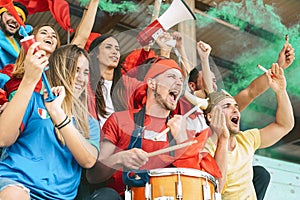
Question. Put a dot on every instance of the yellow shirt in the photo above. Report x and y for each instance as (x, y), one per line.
(13, 43)
(239, 184)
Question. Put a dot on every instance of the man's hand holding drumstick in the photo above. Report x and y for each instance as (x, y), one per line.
(285, 58)
(286, 55)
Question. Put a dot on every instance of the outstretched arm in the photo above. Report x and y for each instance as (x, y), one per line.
(183, 57)
(256, 88)
(204, 50)
(284, 121)
(86, 24)
(261, 84)
(165, 49)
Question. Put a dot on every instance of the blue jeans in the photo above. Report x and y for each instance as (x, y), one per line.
(261, 180)
(105, 194)
(5, 182)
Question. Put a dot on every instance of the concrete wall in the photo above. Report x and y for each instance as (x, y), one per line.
(285, 178)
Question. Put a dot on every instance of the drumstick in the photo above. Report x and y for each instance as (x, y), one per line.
(185, 115)
(203, 47)
(172, 148)
(265, 70)
(287, 38)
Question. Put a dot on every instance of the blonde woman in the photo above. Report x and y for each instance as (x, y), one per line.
(47, 144)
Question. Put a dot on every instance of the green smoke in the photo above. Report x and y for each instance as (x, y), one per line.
(108, 6)
(256, 17)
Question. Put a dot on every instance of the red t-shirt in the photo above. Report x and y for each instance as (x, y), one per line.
(118, 129)
(120, 125)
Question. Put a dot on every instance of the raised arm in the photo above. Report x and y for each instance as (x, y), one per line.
(204, 50)
(166, 48)
(180, 47)
(261, 84)
(86, 24)
(284, 120)
(256, 88)
(11, 117)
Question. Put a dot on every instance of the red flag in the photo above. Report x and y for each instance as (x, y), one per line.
(209, 165)
(34, 6)
(13, 84)
(134, 59)
(59, 9)
(91, 38)
(194, 158)
(61, 12)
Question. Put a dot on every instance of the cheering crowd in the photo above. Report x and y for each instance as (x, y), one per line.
(110, 113)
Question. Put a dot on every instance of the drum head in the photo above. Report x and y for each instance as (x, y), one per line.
(183, 171)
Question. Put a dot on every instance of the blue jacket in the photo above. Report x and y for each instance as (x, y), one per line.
(8, 54)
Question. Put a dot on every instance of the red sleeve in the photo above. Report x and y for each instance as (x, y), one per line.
(110, 129)
(118, 128)
(135, 92)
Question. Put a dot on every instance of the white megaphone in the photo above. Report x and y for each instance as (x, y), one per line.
(177, 12)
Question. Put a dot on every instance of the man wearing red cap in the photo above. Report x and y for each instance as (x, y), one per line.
(129, 136)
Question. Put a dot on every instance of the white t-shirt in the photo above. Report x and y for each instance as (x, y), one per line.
(106, 87)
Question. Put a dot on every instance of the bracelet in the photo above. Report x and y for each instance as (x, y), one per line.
(58, 125)
(63, 125)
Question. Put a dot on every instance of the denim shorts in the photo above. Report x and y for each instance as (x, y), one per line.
(5, 182)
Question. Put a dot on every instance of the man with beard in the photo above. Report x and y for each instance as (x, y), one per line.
(235, 162)
(129, 136)
(9, 46)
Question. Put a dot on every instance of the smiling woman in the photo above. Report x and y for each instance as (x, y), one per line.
(106, 77)
(66, 130)
(47, 35)
(81, 76)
